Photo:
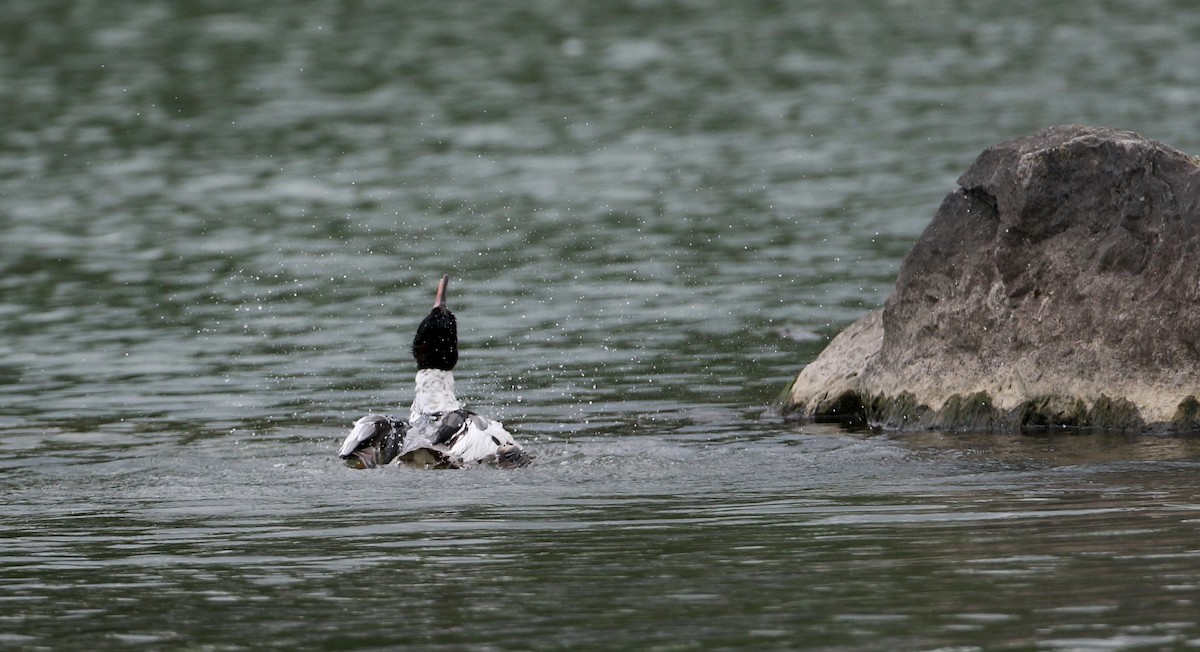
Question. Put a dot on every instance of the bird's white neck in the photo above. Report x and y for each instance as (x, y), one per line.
(434, 393)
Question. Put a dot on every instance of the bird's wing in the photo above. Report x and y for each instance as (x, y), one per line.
(375, 439)
(480, 439)
(364, 429)
(391, 443)
(451, 425)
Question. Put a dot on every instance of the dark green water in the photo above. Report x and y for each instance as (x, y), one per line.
(220, 223)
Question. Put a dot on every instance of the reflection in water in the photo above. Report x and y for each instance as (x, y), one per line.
(218, 217)
(1060, 447)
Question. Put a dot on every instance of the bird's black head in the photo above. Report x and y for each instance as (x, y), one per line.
(436, 343)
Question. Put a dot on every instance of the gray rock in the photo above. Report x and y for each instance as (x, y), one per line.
(1058, 285)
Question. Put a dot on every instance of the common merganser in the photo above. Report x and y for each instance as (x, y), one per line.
(440, 432)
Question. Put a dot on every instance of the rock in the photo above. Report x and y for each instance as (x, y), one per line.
(1059, 285)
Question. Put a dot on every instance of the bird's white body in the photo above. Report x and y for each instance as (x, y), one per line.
(438, 421)
(434, 394)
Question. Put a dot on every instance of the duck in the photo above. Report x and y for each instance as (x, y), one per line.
(440, 432)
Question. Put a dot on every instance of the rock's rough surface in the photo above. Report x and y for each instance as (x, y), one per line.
(1058, 285)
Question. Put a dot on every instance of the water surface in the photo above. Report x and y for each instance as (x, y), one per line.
(220, 224)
